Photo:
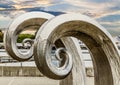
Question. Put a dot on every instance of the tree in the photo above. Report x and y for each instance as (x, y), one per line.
(1, 36)
(21, 37)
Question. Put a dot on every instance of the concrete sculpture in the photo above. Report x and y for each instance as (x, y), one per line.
(18, 25)
(58, 31)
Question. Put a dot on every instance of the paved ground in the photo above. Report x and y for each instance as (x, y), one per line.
(90, 80)
(32, 81)
(27, 81)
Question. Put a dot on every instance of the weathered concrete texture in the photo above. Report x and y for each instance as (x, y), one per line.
(105, 56)
(78, 75)
(19, 71)
(89, 72)
(27, 21)
(58, 31)
(27, 81)
(34, 81)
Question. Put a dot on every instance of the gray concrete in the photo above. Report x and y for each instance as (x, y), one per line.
(105, 55)
(34, 81)
(27, 81)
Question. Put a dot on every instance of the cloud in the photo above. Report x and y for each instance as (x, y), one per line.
(114, 32)
(20, 4)
(106, 12)
(5, 6)
(61, 7)
(102, 1)
(112, 26)
(110, 18)
(89, 5)
(96, 8)
(4, 21)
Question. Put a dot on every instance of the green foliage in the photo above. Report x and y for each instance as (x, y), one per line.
(1, 36)
(21, 37)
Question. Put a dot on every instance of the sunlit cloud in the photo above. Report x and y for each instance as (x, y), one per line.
(2, 9)
(20, 4)
(112, 27)
(111, 23)
(18, 1)
(106, 12)
(91, 6)
(44, 2)
(94, 7)
(21, 7)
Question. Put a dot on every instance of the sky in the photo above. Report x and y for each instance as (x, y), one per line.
(105, 12)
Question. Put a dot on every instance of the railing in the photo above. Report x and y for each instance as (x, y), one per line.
(59, 32)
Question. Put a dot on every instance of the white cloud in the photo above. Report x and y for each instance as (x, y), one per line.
(19, 4)
(94, 8)
(117, 23)
(88, 7)
(108, 13)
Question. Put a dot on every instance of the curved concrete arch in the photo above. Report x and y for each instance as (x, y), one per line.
(77, 75)
(105, 56)
(37, 19)
(18, 25)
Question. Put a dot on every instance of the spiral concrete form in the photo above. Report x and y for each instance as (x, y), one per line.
(104, 52)
(59, 32)
(18, 25)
